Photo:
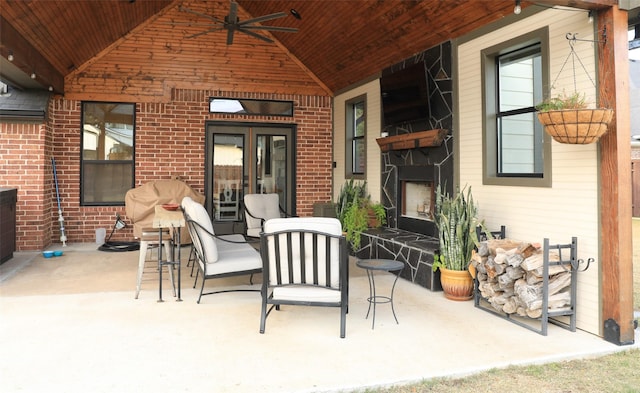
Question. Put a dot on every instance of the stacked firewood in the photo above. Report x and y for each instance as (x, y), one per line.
(510, 278)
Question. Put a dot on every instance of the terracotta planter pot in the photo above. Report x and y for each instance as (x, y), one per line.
(576, 126)
(456, 284)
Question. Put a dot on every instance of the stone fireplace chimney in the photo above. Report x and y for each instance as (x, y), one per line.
(411, 171)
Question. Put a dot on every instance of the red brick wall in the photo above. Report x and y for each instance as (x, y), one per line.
(24, 166)
(169, 142)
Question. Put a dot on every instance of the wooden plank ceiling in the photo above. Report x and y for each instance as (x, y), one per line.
(338, 42)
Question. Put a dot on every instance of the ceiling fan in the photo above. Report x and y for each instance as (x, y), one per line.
(232, 24)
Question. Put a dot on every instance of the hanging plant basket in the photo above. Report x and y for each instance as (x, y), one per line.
(567, 118)
(576, 126)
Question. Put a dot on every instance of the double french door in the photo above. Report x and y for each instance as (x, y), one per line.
(247, 158)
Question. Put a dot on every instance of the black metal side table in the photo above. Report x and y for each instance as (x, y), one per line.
(387, 265)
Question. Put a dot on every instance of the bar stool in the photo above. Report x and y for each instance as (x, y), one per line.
(148, 240)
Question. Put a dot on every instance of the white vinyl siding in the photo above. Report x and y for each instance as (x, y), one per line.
(569, 207)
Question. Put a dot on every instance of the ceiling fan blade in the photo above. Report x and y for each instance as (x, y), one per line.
(233, 13)
(256, 35)
(230, 36)
(271, 28)
(204, 32)
(195, 24)
(232, 23)
(213, 18)
(264, 18)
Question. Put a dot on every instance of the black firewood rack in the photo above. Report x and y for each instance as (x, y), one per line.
(567, 258)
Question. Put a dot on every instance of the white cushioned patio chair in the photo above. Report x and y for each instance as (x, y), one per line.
(259, 208)
(304, 262)
(218, 256)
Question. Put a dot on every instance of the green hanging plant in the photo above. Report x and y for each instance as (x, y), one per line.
(562, 102)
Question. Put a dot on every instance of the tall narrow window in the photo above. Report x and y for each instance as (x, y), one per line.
(519, 133)
(516, 150)
(107, 167)
(356, 127)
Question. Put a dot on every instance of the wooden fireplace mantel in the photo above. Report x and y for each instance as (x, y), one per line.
(414, 140)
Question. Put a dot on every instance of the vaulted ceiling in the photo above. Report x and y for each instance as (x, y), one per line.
(338, 42)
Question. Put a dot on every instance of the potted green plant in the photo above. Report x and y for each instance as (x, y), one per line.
(357, 212)
(350, 192)
(377, 215)
(456, 218)
(568, 119)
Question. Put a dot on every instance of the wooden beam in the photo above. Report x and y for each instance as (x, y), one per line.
(28, 59)
(615, 179)
(584, 4)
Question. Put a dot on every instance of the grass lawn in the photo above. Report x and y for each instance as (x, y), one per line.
(618, 373)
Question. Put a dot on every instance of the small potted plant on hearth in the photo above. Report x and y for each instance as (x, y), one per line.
(456, 218)
(568, 119)
(357, 212)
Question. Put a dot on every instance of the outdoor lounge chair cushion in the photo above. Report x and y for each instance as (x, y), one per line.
(199, 214)
(233, 257)
(330, 226)
(221, 256)
(259, 208)
(301, 293)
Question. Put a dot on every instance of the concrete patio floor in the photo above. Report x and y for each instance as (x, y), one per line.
(71, 324)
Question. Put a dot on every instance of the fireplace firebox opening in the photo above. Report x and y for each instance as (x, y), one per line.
(418, 200)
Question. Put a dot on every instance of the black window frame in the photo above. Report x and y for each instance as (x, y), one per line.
(352, 140)
(490, 88)
(84, 161)
(248, 103)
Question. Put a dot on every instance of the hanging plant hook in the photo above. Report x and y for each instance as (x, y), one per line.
(573, 37)
(573, 55)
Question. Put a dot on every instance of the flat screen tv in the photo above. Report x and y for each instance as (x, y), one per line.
(405, 95)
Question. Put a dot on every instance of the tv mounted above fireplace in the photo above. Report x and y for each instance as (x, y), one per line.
(405, 95)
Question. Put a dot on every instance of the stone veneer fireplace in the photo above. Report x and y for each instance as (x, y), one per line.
(428, 165)
(411, 176)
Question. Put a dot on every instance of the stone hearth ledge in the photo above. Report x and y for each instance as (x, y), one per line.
(414, 249)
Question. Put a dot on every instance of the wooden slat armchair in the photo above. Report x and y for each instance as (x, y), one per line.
(304, 262)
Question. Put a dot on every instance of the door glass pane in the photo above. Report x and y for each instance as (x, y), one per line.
(228, 158)
(271, 166)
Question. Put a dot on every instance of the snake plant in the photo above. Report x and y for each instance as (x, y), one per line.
(456, 218)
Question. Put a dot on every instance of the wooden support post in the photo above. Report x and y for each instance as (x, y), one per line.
(615, 178)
